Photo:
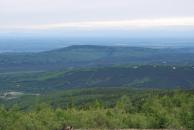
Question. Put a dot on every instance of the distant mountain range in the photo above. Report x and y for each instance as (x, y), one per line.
(91, 55)
(42, 43)
(97, 66)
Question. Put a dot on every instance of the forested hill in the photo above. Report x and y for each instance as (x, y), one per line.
(140, 77)
(89, 55)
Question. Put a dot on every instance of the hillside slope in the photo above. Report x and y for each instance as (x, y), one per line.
(140, 77)
(87, 55)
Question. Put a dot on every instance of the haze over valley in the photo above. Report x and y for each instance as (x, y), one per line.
(96, 64)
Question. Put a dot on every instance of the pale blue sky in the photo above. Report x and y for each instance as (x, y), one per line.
(25, 15)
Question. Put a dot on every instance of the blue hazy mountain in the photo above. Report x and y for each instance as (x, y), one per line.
(31, 44)
(95, 55)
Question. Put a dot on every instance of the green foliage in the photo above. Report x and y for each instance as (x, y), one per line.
(124, 104)
(174, 109)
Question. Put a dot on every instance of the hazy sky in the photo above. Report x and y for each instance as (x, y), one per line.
(17, 15)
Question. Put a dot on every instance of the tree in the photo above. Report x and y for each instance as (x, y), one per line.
(124, 104)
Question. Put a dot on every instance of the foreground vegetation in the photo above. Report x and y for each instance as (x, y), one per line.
(159, 109)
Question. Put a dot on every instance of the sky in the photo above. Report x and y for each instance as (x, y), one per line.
(94, 15)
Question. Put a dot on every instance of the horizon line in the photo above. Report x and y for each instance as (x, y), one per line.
(109, 24)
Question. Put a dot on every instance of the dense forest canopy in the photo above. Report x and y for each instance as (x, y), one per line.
(151, 109)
